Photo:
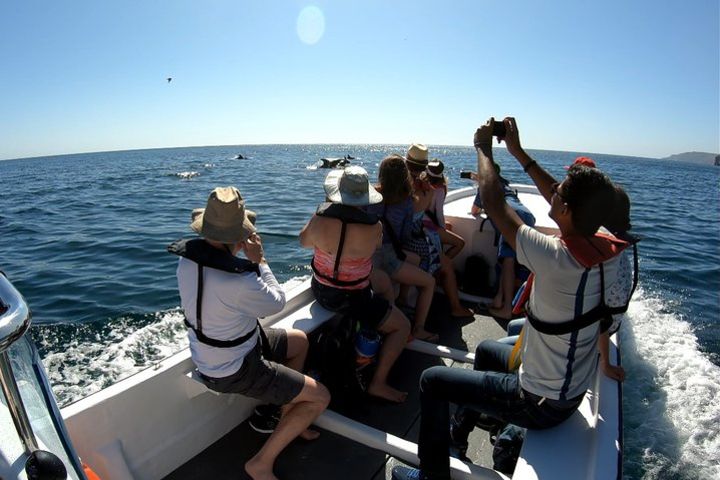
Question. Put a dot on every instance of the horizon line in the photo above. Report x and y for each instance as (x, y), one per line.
(333, 143)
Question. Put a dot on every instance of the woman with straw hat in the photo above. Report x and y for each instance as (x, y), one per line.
(344, 239)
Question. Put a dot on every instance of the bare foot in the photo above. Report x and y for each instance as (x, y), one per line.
(258, 471)
(503, 313)
(386, 392)
(420, 333)
(309, 434)
(461, 312)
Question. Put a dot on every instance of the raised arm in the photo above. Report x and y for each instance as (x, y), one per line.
(306, 240)
(493, 197)
(542, 179)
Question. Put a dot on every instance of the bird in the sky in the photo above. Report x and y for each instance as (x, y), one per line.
(169, 79)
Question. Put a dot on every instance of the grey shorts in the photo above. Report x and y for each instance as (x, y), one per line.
(386, 259)
(263, 378)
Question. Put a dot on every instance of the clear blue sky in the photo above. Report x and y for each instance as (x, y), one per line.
(638, 77)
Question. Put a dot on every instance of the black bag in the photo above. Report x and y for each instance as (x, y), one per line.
(507, 443)
(332, 358)
(476, 277)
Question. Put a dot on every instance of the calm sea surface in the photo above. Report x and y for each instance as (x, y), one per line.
(83, 238)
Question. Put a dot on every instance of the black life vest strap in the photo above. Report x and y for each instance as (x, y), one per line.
(636, 268)
(341, 245)
(600, 313)
(213, 342)
(562, 328)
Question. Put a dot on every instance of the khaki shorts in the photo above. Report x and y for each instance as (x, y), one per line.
(263, 378)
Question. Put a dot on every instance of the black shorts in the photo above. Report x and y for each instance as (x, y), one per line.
(363, 305)
(263, 378)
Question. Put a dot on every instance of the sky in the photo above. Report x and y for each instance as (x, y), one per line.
(638, 78)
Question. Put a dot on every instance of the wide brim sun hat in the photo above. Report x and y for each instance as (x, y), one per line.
(225, 218)
(351, 187)
(417, 155)
(435, 168)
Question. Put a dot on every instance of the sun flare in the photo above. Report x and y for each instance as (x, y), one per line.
(310, 25)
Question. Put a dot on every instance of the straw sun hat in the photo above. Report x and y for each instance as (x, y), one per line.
(417, 155)
(225, 218)
(351, 187)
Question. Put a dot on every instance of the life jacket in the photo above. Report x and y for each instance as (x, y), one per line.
(347, 215)
(205, 255)
(589, 252)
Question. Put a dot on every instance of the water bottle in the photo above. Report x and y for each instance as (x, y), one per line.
(367, 344)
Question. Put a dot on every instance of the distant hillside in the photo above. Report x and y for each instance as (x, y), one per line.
(695, 157)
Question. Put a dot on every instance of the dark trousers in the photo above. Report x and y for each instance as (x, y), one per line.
(489, 391)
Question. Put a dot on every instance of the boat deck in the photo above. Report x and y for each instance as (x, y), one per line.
(333, 456)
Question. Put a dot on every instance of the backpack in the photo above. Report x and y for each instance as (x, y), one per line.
(332, 360)
(475, 279)
(507, 442)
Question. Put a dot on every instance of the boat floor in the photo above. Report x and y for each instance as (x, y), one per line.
(332, 456)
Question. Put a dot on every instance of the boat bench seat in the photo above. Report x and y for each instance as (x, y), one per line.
(306, 318)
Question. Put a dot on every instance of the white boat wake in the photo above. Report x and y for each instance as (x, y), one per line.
(671, 403)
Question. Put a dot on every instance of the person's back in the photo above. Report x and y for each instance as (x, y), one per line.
(560, 366)
(360, 239)
(231, 305)
(344, 238)
(397, 219)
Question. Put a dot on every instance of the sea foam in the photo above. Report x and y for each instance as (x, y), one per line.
(671, 403)
(89, 363)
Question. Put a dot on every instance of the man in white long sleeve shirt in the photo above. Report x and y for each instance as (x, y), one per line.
(222, 297)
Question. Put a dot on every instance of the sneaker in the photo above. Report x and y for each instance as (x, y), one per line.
(458, 443)
(402, 472)
(487, 422)
(265, 418)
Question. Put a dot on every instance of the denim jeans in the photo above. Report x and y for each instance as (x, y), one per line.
(488, 390)
(513, 332)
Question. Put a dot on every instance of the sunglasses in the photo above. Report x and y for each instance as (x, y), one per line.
(554, 189)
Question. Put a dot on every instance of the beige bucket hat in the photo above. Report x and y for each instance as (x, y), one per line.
(417, 154)
(225, 218)
(351, 187)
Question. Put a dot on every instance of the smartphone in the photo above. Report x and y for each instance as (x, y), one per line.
(466, 174)
(498, 129)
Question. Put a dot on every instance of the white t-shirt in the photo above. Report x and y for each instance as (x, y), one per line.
(231, 305)
(559, 366)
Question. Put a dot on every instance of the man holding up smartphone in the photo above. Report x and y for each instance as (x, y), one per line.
(556, 369)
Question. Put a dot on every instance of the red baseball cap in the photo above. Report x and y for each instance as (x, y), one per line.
(587, 161)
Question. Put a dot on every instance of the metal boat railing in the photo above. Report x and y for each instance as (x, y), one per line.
(14, 322)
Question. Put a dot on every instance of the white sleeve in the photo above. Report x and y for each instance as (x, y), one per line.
(535, 250)
(263, 296)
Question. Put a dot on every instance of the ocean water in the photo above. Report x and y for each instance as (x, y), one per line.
(83, 237)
